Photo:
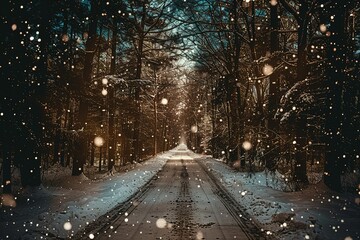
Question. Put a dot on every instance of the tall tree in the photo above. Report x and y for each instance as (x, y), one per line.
(302, 12)
(81, 146)
(148, 24)
(337, 60)
(274, 84)
(112, 136)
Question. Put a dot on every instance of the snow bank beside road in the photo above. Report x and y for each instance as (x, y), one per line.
(67, 204)
(315, 213)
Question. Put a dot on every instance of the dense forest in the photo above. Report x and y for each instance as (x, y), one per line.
(263, 85)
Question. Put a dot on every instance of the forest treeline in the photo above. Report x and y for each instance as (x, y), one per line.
(263, 84)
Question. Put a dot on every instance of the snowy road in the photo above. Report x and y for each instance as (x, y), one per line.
(191, 197)
(182, 203)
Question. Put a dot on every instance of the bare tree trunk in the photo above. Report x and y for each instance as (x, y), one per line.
(214, 144)
(302, 69)
(92, 154)
(100, 158)
(273, 82)
(300, 171)
(335, 73)
(57, 139)
(32, 154)
(112, 137)
(139, 56)
(80, 153)
(301, 74)
(155, 122)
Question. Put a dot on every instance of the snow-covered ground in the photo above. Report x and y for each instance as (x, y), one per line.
(315, 213)
(65, 204)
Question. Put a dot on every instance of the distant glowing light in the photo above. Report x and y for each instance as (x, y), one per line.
(14, 27)
(267, 70)
(105, 81)
(247, 145)
(65, 38)
(199, 235)
(161, 223)
(323, 28)
(164, 101)
(32, 38)
(273, 2)
(104, 92)
(8, 200)
(98, 141)
(67, 226)
(91, 236)
(283, 225)
(194, 129)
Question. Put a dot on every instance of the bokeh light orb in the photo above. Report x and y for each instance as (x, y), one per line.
(273, 2)
(267, 70)
(67, 226)
(164, 101)
(323, 28)
(199, 235)
(194, 129)
(161, 223)
(14, 27)
(7, 200)
(105, 81)
(65, 38)
(247, 145)
(98, 141)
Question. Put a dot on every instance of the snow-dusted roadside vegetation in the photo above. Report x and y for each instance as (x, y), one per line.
(314, 213)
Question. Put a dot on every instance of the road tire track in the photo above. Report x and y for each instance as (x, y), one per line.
(244, 220)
